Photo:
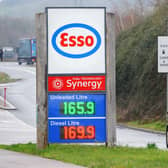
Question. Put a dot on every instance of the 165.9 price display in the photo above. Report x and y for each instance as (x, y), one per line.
(77, 132)
(77, 108)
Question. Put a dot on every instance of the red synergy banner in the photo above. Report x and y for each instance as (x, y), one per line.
(76, 83)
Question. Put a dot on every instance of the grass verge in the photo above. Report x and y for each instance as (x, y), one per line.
(5, 78)
(99, 156)
(155, 125)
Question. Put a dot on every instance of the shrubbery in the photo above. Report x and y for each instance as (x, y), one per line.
(141, 90)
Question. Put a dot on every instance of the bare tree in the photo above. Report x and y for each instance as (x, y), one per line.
(141, 7)
(156, 3)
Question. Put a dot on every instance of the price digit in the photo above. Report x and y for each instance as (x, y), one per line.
(90, 132)
(65, 132)
(80, 108)
(81, 132)
(65, 108)
(90, 107)
(71, 108)
(72, 132)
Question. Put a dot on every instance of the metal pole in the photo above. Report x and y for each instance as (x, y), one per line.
(41, 96)
(111, 80)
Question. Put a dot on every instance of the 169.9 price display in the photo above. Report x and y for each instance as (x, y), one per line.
(77, 132)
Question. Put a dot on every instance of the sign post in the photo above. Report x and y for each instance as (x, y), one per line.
(111, 80)
(163, 68)
(41, 89)
(167, 110)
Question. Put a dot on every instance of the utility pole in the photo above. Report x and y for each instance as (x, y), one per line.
(111, 80)
(41, 69)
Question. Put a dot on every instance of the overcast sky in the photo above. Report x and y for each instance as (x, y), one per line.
(36, 6)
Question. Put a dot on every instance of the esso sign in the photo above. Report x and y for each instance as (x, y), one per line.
(76, 40)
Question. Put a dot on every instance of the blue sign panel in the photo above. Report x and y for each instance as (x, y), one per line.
(70, 105)
(77, 130)
(76, 118)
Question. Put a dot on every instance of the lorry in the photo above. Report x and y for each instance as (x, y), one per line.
(27, 51)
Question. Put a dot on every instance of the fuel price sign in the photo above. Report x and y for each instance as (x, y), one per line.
(76, 75)
(79, 117)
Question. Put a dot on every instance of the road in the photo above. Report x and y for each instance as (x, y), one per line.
(22, 94)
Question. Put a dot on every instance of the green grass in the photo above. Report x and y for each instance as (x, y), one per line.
(5, 78)
(99, 156)
(155, 125)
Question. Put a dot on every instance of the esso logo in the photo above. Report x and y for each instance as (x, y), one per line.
(73, 41)
(76, 40)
